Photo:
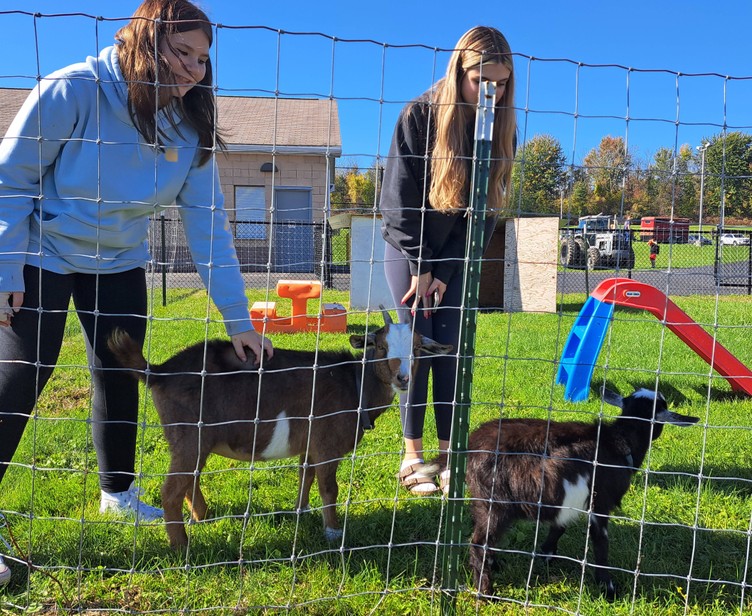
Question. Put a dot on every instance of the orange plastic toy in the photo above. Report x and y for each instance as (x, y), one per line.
(333, 318)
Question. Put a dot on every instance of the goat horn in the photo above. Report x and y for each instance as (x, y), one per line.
(386, 315)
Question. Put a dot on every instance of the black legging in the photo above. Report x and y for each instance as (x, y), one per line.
(29, 350)
(443, 327)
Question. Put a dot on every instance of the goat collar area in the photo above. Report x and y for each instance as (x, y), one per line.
(365, 417)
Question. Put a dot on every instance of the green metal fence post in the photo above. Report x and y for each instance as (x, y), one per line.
(163, 253)
(453, 526)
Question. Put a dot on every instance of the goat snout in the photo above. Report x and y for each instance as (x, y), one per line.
(401, 381)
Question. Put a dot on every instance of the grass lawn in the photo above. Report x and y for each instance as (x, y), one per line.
(680, 544)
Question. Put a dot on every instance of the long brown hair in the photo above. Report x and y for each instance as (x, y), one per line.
(144, 68)
(449, 168)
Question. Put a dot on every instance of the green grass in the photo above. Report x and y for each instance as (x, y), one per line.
(341, 247)
(679, 543)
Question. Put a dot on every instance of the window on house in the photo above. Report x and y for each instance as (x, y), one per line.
(250, 213)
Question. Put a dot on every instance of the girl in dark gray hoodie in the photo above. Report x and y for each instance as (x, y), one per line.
(423, 201)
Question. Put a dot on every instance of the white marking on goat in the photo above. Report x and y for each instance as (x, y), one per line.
(399, 340)
(576, 497)
(279, 443)
(646, 393)
(333, 534)
(593, 519)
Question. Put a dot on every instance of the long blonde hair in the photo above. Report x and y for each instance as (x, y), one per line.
(450, 182)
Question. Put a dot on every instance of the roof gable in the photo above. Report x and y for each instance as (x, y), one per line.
(245, 121)
(285, 122)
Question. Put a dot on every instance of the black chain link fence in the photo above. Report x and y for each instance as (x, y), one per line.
(292, 250)
(708, 262)
(714, 261)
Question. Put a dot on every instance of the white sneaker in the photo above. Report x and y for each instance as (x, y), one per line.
(4, 569)
(4, 572)
(129, 504)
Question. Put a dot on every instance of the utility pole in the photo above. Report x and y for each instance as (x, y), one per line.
(702, 149)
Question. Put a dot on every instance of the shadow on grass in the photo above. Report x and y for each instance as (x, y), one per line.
(401, 546)
(569, 307)
(655, 560)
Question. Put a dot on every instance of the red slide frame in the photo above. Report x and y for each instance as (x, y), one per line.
(634, 294)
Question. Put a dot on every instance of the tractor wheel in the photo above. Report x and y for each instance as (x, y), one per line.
(568, 252)
(582, 255)
(593, 258)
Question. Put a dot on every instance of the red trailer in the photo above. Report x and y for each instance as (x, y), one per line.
(664, 229)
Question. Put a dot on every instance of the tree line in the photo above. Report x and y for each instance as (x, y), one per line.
(609, 180)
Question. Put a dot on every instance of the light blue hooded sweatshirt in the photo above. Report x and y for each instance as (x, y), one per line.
(78, 185)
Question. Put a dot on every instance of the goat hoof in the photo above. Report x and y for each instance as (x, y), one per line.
(609, 590)
(486, 594)
(548, 557)
(333, 534)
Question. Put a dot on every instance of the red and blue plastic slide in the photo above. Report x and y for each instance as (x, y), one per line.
(586, 337)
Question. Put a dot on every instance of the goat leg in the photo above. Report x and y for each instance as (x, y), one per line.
(489, 524)
(551, 544)
(174, 489)
(306, 475)
(599, 536)
(482, 565)
(326, 475)
(194, 497)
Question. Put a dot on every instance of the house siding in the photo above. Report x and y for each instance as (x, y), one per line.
(295, 171)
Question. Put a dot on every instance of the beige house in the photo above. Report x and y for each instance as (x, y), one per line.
(278, 169)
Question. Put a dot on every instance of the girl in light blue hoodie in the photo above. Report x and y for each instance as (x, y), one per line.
(96, 150)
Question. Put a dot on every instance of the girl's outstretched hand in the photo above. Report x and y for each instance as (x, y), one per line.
(10, 304)
(426, 289)
(254, 341)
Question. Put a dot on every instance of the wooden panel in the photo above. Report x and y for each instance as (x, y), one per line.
(491, 294)
(530, 267)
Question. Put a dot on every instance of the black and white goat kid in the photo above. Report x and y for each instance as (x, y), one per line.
(555, 471)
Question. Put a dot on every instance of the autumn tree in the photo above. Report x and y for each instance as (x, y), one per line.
(638, 201)
(728, 172)
(671, 183)
(539, 175)
(355, 190)
(607, 167)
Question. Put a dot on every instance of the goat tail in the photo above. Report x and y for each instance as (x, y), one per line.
(128, 353)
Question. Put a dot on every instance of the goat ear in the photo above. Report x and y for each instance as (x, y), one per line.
(385, 314)
(666, 416)
(611, 397)
(361, 342)
(431, 347)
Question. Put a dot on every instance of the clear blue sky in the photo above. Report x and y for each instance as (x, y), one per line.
(652, 36)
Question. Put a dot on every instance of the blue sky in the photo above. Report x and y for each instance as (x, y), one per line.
(371, 79)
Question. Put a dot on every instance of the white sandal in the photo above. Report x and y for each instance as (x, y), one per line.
(444, 477)
(417, 477)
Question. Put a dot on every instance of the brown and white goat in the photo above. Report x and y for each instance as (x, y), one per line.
(556, 471)
(302, 403)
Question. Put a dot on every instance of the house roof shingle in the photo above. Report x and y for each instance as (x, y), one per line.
(259, 123)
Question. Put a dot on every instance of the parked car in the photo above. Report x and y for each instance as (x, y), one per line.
(700, 240)
(734, 239)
